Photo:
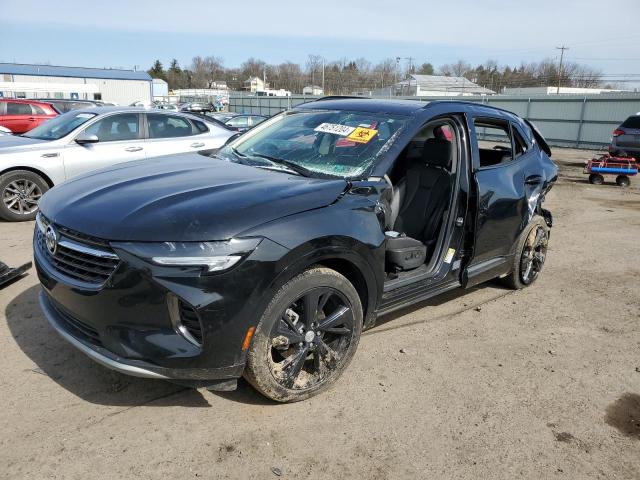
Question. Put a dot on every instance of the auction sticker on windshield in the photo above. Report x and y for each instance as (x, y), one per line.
(362, 135)
(335, 128)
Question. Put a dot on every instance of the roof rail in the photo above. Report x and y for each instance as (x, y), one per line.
(340, 97)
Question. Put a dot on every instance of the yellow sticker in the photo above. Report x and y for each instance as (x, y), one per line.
(362, 135)
(449, 256)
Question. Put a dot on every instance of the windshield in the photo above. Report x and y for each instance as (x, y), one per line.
(59, 126)
(320, 142)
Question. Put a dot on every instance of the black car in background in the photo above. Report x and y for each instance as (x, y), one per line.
(270, 259)
(626, 138)
(240, 122)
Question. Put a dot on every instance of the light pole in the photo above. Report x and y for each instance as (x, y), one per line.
(562, 49)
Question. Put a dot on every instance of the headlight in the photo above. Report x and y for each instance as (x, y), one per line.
(211, 256)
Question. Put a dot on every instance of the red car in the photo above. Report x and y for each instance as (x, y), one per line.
(20, 116)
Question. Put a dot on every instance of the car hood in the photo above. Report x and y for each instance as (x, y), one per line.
(13, 141)
(186, 197)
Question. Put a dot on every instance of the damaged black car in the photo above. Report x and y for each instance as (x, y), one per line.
(269, 259)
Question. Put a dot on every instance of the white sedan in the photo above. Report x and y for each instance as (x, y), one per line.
(84, 140)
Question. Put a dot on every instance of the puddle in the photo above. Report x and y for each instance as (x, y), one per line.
(624, 415)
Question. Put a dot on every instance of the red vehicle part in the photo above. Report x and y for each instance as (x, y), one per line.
(20, 116)
(608, 165)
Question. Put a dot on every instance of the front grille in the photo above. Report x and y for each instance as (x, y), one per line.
(78, 257)
(190, 321)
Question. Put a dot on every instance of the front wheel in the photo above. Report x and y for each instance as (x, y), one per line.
(21, 191)
(531, 252)
(306, 337)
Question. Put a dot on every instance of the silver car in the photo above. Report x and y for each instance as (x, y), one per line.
(87, 139)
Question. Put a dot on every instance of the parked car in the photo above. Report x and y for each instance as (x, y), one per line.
(196, 107)
(61, 105)
(84, 140)
(167, 106)
(240, 122)
(5, 131)
(269, 260)
(626, 138)
(20, 116)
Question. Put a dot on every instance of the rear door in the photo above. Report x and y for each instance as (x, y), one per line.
(168, 134)
(17, 117)
(505, 173)
(120, 140)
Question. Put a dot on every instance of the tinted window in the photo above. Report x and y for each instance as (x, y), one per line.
(519, 143)
(115, 128)
(494, 141)
(37, 110)
(168, 126)
(200, 126)
(632, 122)
(14, 108)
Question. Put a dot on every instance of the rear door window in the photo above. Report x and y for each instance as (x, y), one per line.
(15, 108)
(239, 122)
(494, 141)
(168, 126)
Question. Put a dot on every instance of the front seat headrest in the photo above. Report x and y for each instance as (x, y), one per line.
(437, 153)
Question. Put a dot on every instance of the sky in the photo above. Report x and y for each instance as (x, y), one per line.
(121, 33)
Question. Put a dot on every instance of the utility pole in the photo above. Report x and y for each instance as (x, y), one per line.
(562, 49)
(323, 75)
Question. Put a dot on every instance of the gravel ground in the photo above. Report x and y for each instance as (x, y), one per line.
(487, 383)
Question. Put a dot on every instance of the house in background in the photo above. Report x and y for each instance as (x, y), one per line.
(433, 86)
(254, 84)
(312, 90)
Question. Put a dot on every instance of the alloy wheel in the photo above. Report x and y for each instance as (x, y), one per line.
(533, 255)
(310, 339)
(21, 196)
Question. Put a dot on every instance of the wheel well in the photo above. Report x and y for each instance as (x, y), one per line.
(354, 275)
(29, 169)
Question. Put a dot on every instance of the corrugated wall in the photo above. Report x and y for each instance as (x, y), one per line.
(565, 120)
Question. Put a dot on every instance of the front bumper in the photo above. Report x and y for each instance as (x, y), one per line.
(135, 368)
(124, 323)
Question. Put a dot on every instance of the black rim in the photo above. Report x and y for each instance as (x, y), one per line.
(533, 255)
(21, 197)
(311, 338)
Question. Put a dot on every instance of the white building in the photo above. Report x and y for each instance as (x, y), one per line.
(312, 90)
(254, 84)
(563, 91)
(160, 88)
(434, 86)
(48, 81)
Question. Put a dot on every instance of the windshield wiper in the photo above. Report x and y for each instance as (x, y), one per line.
(294, 167)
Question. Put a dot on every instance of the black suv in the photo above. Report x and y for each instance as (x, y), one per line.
(625, 140)
(269, 259)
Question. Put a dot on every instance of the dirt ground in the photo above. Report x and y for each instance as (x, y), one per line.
(480, 384)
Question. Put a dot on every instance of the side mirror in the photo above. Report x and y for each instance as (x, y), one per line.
(85, 138)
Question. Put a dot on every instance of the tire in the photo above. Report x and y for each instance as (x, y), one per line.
(517, 278)
(20, 191)
(279, 340)
(596, 179)
(623, 181)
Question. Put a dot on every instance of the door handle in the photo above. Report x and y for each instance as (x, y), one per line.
(197, 145)
(50, 155)
(533, 180)
(133, 149)
(31, 119)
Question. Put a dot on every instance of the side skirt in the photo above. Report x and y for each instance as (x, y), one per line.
(413, 293)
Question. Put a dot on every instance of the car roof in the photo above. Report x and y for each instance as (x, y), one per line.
(371, 105)
(23, 100)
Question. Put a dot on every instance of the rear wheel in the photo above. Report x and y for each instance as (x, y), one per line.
(596, 179)
(531, 253)
(21, 191)
(622, 181)
(306, 337)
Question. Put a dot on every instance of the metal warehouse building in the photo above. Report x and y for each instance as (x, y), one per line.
(47, 81)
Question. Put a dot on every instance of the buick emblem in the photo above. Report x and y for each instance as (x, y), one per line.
(51, 239)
